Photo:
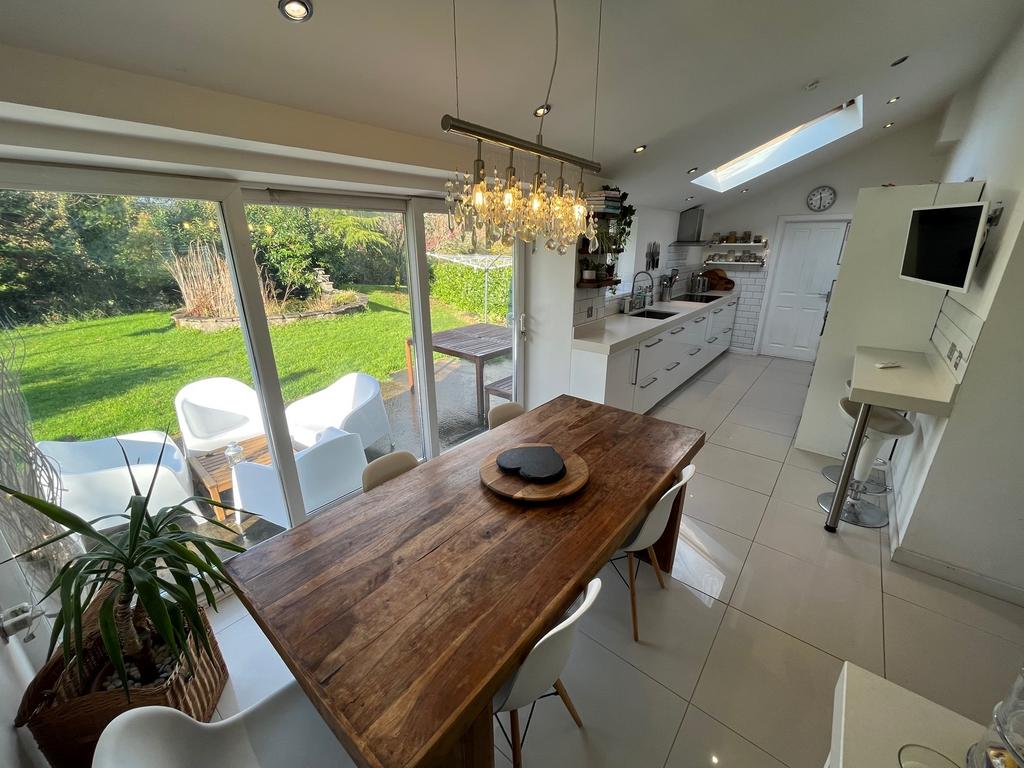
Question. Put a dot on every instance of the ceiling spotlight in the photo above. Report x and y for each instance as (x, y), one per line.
(638, 150)
(893, 100)
(812, 85)
(692, 170)
(890, 124)
(689, 198)
(899, 61)
(542, 110)
(295, 10)
(745, 189)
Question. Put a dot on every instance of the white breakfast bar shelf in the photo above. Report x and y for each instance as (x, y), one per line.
(633, 362)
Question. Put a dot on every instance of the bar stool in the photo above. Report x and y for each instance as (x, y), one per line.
(882, 424)
(869, 486)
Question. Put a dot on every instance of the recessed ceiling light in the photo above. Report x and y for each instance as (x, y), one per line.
(689, 198)
(899, 61)
(542, 110)
(890, 124)
(893, 100)
(638, 150)
(693, 170)
(745, 189)
(812, 85)
(295, 10)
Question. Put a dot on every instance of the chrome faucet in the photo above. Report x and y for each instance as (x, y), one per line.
(640, 296)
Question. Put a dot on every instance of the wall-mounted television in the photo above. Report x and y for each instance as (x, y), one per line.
(943, 244)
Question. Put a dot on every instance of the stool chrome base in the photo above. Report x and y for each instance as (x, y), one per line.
(859, 512)
(871, 487)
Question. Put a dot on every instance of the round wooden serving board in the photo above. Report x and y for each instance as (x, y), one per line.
(512, 486)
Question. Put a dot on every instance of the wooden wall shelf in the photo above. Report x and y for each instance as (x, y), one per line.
(603, 283)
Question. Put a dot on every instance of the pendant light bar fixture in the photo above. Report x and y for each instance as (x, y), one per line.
(451, 124)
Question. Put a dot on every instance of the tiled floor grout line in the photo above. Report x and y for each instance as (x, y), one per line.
(634, 666)
(733, 730)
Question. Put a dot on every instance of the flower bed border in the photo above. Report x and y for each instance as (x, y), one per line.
(213, 324)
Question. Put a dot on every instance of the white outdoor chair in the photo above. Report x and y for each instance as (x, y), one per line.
(352, 403)
(215, 412)
(95, 480)
(387, 467)
(282, 730)
(541, 671)
(649, 531)
(327, 471)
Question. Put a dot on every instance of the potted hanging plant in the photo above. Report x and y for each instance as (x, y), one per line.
(612, 230)
(131, 628)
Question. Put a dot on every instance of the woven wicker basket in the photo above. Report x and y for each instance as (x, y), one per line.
(66, 727)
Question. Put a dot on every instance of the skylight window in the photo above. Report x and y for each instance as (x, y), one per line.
(797, 142)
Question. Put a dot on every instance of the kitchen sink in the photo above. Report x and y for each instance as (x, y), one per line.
(654, 314)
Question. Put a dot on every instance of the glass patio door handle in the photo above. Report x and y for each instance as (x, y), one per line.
(522, 326)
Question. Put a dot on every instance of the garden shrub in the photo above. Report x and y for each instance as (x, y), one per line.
(463, 287)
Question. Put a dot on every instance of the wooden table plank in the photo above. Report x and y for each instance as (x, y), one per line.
(401, 612)
(476, 343)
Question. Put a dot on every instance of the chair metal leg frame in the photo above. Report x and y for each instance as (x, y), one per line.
(516, 741)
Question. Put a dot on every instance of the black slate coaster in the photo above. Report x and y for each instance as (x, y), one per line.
(535, 464)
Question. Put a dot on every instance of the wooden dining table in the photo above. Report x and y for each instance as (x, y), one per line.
(402, 611)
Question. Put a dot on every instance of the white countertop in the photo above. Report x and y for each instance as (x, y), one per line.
(922, 383)
(873, 718)
(617, 332)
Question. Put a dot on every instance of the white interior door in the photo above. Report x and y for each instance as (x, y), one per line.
(808, 262)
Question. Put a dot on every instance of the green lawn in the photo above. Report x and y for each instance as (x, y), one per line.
(95, 378)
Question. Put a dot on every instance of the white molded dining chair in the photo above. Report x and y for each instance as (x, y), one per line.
(649, 531)
(499, 414)
(215, 412)
(282, 730)
(352, 403)
(541, 671)
(387, 467)
(328, 470)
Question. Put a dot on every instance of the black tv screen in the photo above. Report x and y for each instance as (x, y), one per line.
(943, 244)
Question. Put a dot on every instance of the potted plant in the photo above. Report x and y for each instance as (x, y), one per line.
(613, 231)
(130, 613)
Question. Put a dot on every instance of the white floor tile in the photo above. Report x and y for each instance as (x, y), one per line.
(953, 601)
(739, 468)
(628, 718)
(852, 553)
(737, 510)
(229, 610)
(769, 421)
(677, 626)
(787, 364)
(790, 375)
(750, 440)
(772, 689)
(774, 395)
(706, 415)
(957, 666)
(809, 460)
(838, 615)
(709, 558)
(703, 742)
(801, 486)
(254, 669)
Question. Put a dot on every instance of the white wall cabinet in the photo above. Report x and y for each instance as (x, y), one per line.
(638, 377)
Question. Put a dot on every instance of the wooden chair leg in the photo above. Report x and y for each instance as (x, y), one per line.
(631, 565)
(517, 740)
(656, 566)
(564, 696)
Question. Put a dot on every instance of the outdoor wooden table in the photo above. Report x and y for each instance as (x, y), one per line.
(214, 472)
(476, 343)
(401, 612)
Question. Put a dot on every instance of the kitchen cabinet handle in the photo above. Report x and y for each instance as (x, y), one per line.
(654, 343)
(731, 304)
(636, 366)
(673, 366)
(695, 351)
(680, 329)
(727, 330)
(645, 386)
(712, 340)
(701, 319)
(716, 311)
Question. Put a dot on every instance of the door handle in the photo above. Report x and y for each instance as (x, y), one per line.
(731, 304)
(680, 329)
(645, 386)
(701, 319)
(636, 366)
(727, 330)
(695, 351)
(522, 326)
(672, 367)
(712, 340)
(716, 311)
(654, 343)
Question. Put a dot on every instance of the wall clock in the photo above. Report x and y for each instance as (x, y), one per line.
(821, 198)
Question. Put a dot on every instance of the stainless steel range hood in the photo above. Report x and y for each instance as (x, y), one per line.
(691, 222)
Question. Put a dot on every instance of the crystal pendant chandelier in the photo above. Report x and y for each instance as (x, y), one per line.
(502, 207)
